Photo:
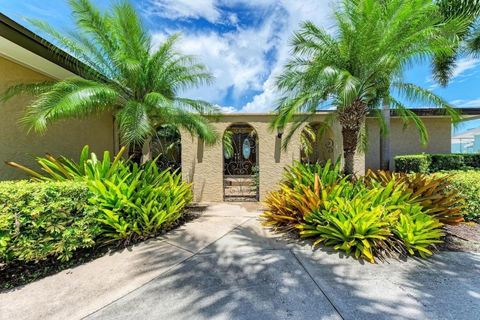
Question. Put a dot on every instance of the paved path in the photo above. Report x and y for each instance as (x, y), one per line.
(223, 265)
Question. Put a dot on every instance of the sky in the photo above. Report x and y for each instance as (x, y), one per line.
(244, 43)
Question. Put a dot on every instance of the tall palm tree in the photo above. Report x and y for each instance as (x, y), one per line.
(468, 11)
(124, 74)
(360, 63)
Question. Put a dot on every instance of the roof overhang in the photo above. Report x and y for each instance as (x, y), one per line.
(422, 112)
(24, 47)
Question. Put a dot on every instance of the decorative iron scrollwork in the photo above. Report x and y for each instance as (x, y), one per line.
(329, 145)
(244, 156)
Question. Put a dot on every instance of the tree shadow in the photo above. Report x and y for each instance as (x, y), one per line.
(240, 276)
(251, 274)
(446, 286)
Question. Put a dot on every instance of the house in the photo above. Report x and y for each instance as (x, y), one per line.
(466, 142)
(253, 167)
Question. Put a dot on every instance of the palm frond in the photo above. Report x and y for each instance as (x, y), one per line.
(407, 116)
(416, 93)
(134, 123)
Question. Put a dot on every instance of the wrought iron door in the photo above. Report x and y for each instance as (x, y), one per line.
(240, 165)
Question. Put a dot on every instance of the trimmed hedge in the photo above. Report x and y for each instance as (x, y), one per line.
(425, 163)
(413, 163)
(467, 183)
(43, 220)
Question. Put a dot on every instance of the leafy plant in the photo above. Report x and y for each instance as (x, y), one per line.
(352, 227)
(432, 192)
(418, 232)
(132, 202)
(87, 167)
(296, 197)
(138, 204)
(467, 185)
(361, 216)
(300, 174)
(413, 163)
(42, 220)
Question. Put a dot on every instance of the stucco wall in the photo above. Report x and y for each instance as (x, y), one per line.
(406, 141)
(65, 138)
(203, 165)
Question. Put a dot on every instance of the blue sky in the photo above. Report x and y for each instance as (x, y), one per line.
(244, 43)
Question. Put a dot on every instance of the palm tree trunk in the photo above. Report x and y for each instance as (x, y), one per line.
(351, 119)
(385, 152)
(146, 150)
(135, 153)
(350, 142)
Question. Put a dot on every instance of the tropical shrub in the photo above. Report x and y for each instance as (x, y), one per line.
(425, 163)
(88, 166)
(133, 202)
(467, 184)
(432, 192)
(45, 220)
(368, 218)
(413, 163)
(296, 198)
(418, 232)
(137, 204)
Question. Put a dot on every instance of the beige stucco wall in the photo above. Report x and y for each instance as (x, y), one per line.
(406, 140)
(65, 138)
(203, 165)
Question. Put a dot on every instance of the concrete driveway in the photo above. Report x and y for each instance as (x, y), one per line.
(225, 266)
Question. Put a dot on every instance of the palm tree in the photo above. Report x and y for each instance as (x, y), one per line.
(468, 11)
(123, 73)
(360, 64)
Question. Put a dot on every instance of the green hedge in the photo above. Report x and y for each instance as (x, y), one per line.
(425, 163)
(413, 163)
(467, 183)
(42, 220)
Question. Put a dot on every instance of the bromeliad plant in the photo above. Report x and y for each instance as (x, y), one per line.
(432, 192)
(140, 203)
(88, 166)
(367, 218)
(132, 202)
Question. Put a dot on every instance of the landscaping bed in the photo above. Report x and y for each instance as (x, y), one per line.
(73, 212)
(20, 273)
(380, 215)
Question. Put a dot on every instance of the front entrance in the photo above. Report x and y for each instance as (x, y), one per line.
(240, 159)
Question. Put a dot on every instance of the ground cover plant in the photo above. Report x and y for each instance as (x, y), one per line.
(82, 206)
(371, 217)
(467, 184)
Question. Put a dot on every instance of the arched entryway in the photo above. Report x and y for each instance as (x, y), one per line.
(317, 143)
(240, 163)
(166, 147)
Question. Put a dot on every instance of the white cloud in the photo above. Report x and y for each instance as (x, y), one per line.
(228, 109)
(240, 59)
(237, 59)
(463, 65)
(473, 103)
(297, 11)
(174, 9)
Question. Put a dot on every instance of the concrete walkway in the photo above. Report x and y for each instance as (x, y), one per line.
(223, 265)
